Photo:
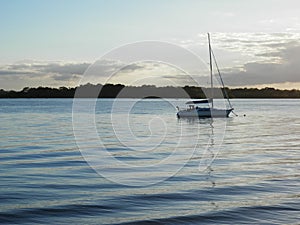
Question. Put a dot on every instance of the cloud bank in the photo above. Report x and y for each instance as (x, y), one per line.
(280, 64)
(37, 73)
(245, 59)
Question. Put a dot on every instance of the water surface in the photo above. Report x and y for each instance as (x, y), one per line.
(255, 177)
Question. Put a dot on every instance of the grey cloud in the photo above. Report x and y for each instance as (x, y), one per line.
(106, 67)
(132, 67)
(287, 70)
(69, 68)
(15, 72)
(63, 68)
(42, 71)
(19, 66)
(65, 77)
(103, 68)
(255, 44)
(17, 80)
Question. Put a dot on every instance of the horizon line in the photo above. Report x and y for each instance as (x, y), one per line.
(149, 85)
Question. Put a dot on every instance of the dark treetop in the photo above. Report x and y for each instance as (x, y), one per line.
(150, 91)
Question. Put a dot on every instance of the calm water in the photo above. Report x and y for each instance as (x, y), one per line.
(248, 174)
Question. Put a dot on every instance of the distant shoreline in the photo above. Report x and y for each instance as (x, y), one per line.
(145, 91)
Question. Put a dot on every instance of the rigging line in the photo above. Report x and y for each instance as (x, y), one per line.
(211, 71)
(224, 91)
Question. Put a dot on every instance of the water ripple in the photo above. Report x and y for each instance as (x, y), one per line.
(254, 179)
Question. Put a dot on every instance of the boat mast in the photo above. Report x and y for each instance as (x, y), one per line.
(211, 72)
(223, 85)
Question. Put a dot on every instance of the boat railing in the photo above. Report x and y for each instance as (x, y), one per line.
(191, 108)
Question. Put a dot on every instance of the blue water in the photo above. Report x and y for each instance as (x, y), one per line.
(251, 176)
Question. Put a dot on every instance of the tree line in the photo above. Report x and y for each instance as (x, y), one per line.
(145, 91)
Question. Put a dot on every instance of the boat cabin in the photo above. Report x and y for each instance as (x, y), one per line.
(191, 105)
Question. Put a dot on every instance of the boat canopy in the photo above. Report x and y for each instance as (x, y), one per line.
(199, 101)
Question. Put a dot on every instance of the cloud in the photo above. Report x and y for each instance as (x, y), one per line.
(69, 68)
(245, 59)
(133, 67)
(37, 73)
(65, 77)
(286, 69)
(36, 68)
(148, 72)
(251, 44)
(15, 72)
(253, 58)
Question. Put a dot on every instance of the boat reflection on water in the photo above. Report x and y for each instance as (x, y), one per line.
(207, 153)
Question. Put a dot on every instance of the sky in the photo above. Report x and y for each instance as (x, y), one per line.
(54, 42)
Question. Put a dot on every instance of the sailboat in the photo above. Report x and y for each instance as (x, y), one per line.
(196, 109)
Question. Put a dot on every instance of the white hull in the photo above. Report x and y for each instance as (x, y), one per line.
(204, 113)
